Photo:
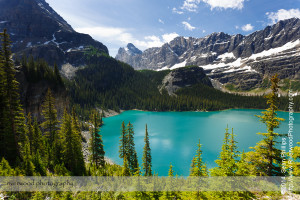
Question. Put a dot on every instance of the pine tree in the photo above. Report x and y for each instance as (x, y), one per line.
(123, 142)
(30, 131)
(126, 170)
(79, 161)
(39, 164)
(147, 160)
(171, 171)
(28, 165)
(198, 167)
(12, 118)
(57, 75)
(131, 153)
(266, 158)
(72, 149)
(227, 159)
(38, 139)
(67, 141)
(97, 149)
(50, 114)
(242, 166)
(2, 105)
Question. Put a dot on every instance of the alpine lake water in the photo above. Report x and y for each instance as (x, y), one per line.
(174, 135)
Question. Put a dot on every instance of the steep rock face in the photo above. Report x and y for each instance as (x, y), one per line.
(245, 60)
(37, 30)
(184, 77)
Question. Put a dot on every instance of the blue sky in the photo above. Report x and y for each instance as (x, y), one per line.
(150, 23)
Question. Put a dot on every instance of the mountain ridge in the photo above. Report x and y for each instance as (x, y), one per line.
(37, 30)
(230, 58)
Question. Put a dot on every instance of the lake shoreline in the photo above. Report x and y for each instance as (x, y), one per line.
(112, 113)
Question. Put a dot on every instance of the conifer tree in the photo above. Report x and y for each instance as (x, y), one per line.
(38, 139)
(266, 158)
(171, 171)
(67, 141)
(39, 164)
(227, 159)
(28, 165)
(50, 114)
(96, 143)
(126, 170)
(147, 160)
(57, 75)
(12, 118)
(242, 166)
(123, 142)
(296, 163)
(198, 167)
(72, 150)
(79, 161)
(30, 131)
(2, 105)
(131, 153)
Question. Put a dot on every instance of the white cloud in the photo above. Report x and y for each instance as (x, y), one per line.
(150, 41)
(190, 5)
(174, 10)
(234, 4)
(237, 27)
(188, 26)
(121, 37)
(247, 27)
(161, 21)
(189, 18)
(103, 33)
(283, 14)
(169, 37)
(204, 31)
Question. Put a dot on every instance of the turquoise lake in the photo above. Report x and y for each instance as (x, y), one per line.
(174, 135)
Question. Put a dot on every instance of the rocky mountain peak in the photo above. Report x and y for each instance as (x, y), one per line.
(130, 48)
(36, 29)
(242, 60)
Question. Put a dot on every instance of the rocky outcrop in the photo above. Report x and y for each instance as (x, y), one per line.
(245, 60)
(184, 77)
(37, 30)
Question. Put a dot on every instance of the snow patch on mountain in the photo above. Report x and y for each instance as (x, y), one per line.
(225, 56)
(277, 50)
(179, 65)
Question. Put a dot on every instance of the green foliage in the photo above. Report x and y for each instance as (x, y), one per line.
(96, 143)
(39, 164)
(92, 52)
(123, 141)
(147, 160)
(228, 157)
(198, 167)
(295, 85)
(11, 116)
(266, 158)
(28, 165)
(230, 86)
(126, 170)
(7, 170)
(50, 114)
(110, 84)
(72, 149)
(130, 148)
(61, 170)
(39, 72)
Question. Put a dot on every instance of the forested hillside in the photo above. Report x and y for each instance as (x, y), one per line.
(111, 84)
